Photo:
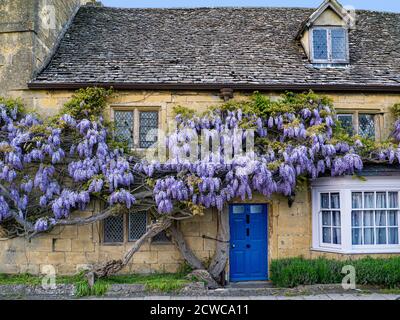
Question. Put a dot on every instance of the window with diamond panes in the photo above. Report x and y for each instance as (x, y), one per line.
(346, 121)
(320, 44)
(113, 229)
(137, 225)
(124, 121)
(366, 125)
(329, 45)
(148, 128)
(363, 124)
(338, 44)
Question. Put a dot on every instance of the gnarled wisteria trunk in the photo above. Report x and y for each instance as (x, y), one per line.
(210, 276)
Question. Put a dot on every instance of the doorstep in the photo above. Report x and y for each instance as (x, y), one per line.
(250, 285)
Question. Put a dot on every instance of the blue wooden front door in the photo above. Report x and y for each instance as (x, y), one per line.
(249, 242)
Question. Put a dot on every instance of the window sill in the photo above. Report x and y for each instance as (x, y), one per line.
(359, 251)
(116, 244)
(161, 243)
(330, 65)
(112, 244)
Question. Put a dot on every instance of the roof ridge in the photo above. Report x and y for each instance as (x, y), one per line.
(199, 8)
(228, 7)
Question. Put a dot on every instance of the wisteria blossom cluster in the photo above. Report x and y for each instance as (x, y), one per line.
(34, 158)
(287, 145)
(48, 170)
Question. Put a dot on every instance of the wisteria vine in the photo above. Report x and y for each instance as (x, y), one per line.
(50, 169)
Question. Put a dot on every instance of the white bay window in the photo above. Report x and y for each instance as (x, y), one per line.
(355, 216)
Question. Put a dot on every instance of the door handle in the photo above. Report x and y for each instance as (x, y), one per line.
(248, 246)
(233, 246)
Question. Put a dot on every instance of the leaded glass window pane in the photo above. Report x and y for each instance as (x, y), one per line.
(124, 126)
(346, 121)
(114, 229)
(137, 225)
(148, 128)
(339, 46)
(320, 44)
(366, 125)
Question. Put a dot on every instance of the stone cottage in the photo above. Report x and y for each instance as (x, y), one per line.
(161, 58)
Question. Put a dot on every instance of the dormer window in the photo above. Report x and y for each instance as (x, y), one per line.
(329, 45)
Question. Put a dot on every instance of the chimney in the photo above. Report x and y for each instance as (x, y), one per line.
(29, 30)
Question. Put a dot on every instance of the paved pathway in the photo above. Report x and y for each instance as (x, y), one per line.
(330, 296)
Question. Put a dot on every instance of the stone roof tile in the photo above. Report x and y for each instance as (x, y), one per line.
(215, 46)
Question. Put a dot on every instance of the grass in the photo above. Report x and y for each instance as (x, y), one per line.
(28, 279)
(391, 291)
(166, 282)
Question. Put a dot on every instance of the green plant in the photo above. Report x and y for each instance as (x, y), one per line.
(396, 110)
(299, 271)
(11, 104)
(184, 112)
(82, 288)
(165, 285)
(184, 268)
(88, 103)
(24, 278)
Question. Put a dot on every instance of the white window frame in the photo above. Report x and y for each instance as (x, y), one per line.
(329, 45)
(320, 209)
(345, 186)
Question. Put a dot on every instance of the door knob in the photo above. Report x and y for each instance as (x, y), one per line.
(233, 246)
(248, 246)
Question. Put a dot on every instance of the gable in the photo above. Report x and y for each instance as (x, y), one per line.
(330, 18)
(329, 14)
